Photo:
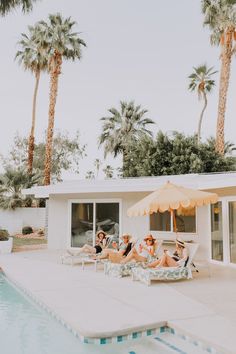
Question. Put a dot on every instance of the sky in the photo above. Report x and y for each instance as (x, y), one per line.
(136, 50)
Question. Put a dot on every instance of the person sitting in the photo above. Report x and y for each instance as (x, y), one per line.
(144, 252)
(179, 257)
(118, 252)
(101, 243)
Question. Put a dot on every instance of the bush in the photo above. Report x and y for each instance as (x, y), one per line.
(27, 230)
(4, 235)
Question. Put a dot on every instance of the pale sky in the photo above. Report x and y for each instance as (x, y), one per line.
(136, 50)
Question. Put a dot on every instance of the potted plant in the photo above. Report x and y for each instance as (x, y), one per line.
(6, 242)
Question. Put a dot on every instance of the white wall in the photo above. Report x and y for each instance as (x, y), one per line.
(59, 223)
(14, 220)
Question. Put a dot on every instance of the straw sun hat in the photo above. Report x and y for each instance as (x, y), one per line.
(180, 242)
(126, 235)
(101, 232)
(149, 237)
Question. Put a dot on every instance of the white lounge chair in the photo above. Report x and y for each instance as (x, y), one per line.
(146, 275)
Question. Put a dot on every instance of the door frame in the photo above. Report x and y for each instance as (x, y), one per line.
(93, 201)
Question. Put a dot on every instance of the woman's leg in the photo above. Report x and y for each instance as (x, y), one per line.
(154, 264)
(129, 257)
(139, 258)
(170, 261)
(105, 253)
(88, 249)
(164, 261)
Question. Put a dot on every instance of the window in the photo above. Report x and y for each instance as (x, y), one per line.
(89, 217)
(216, 232)
(185, 221)
(160, 221)
(232, 231)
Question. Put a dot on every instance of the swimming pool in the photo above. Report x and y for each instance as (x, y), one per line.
(26, 328)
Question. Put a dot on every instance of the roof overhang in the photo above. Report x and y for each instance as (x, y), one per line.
(139, 184)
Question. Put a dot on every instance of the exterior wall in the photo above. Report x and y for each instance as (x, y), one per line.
(59, 223)
(14, 220)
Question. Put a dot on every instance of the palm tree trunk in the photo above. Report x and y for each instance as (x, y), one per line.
(55, 70)
(201, 117)
(224, 84)
(31, 137)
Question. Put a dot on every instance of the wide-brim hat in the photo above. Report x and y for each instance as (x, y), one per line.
(126, 235)
(150, 237)
(101, 232)
(180, 242)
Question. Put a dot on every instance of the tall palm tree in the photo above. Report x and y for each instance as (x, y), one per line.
(220, 16)
(58, 38)
(33, 58)
(7, 5)
(97, 165)
(123, 128)
(200, 81)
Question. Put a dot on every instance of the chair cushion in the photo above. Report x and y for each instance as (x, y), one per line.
(164, 273)
(119, 270)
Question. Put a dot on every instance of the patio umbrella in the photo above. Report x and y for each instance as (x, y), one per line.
(171, 197)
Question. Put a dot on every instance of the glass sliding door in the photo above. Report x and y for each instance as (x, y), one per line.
(81, 224)
(107, 219)
(216, 232)
(89, 217)
(232, 231)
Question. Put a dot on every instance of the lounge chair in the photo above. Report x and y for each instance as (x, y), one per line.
(146, 275)
(122, 270)
(71, 257)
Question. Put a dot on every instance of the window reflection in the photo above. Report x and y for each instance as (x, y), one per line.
(216, 232)
(232, 231)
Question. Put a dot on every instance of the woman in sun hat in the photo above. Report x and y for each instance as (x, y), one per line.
(118, 252)
(101, 243)
(179, 257)
(144, 252)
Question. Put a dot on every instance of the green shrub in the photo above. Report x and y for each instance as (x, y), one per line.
(4, 235)
(27, 230)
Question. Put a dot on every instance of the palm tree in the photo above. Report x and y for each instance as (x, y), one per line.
(11, 184)
(220, 16)
(97, 164)
(7, 5)
(108, 171)
(90, 175)
(200, 81)
(124, 128)
(33, 58)
(60, 42)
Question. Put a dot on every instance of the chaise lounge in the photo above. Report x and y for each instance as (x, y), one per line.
(122, 270)
(146, 275)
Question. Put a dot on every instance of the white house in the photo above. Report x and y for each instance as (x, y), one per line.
(77, 209)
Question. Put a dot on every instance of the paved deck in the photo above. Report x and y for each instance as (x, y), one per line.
(99, 306)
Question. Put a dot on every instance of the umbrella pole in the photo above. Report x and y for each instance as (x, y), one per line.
(174, 221)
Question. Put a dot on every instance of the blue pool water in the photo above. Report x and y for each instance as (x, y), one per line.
(26, 328)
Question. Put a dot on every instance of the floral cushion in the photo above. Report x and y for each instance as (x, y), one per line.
(119, 270)
(164, 273)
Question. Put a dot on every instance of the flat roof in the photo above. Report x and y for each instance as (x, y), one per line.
(138, 184)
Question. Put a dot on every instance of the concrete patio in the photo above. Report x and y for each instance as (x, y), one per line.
(98, 306)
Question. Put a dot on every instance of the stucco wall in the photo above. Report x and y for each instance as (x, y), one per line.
(59, 232)
(14, 220)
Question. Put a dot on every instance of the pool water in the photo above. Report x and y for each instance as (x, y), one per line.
(26, 328)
